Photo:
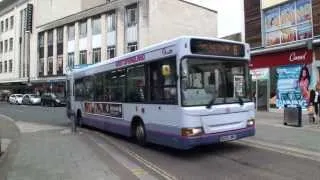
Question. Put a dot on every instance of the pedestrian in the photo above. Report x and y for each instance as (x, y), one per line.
(314, 102)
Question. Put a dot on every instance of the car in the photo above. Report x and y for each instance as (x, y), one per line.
(31, 99)
(51, 99)
(15, 99)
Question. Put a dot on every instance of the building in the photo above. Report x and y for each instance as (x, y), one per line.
(233, 37)
(14, 43)
(283, 35)
(90, 31)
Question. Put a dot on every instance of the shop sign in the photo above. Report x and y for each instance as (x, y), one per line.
(260, 74)
(291, 57)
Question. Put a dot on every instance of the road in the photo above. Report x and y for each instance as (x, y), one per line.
(225, 161)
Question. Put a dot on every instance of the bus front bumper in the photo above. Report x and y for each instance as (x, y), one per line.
(206, 139)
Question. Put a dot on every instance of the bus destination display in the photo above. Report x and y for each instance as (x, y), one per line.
(207, 47)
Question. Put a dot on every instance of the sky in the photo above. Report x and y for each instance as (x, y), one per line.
(230, 14)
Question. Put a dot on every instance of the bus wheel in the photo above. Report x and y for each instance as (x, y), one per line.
(140, 134)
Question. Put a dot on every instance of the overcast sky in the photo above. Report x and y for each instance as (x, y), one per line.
(230, 14)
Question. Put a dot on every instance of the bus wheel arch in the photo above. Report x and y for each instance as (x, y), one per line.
(138, 131)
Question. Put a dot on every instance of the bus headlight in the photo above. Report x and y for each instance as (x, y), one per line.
(191, 131)
(250, 123)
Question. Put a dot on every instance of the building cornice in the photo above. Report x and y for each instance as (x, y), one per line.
(11, 7)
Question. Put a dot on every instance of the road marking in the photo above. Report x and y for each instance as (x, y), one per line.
(131, 166)
(27, 127)
(135, 156)
(297, 152)
(19, 110)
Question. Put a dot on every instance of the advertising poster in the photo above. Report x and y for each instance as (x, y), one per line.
(287, 15)
(288, 35)
(273, 38)
(106, 109)
(293, 86)
(304, 31)
(303, 11)
(272, 19)
(238, 86)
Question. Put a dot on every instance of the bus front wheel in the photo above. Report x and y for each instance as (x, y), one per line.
(140, 134)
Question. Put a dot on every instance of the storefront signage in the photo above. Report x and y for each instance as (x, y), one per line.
(299, 56)
(260, 74)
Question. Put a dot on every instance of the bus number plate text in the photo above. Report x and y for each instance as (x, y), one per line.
(228, 138)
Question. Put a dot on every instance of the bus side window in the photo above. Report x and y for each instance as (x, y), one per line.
(136, 84)
(163, 81)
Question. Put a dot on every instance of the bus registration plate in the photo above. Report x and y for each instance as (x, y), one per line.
(228, 138)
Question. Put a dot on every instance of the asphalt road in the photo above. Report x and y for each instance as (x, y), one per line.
(225, 161)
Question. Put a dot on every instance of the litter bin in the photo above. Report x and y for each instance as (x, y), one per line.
(292, 116)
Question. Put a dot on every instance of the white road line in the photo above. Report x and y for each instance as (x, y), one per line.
(140, 159)
(296, 152)
(19, 110)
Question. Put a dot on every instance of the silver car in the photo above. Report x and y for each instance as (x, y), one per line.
(31, 99)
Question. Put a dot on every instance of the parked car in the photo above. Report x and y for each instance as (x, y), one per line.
(51, 99)
(31, 99)
(15, 99)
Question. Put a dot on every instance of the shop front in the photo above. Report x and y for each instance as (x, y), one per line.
(282, 78)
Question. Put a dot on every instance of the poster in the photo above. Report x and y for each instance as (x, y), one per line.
(238, 86)
(293, 85)
(305, 31)
(287, 14)
(288, 35)
(271, 19)
(303, 11)
(106, 109)
(273, 38)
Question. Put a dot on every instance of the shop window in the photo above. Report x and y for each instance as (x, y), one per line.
(136, 87)
(163, 81)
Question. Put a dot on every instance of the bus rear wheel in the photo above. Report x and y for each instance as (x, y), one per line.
(140, 134)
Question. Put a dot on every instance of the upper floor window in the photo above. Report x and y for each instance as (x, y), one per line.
(111, 22)
(60, 35)
(71, 33)
(1, 47)
(132, 47)
(11, 22)
(83, 57)
(83, 29)
(10, 65)
(50, 38)
(96, 55)
(5, 66)
(11, 44)
(7, 24)
(96, 26)
(132, 16)
(288, 22)
(5, 45)
(111, 52)
(2, 26)
(0, 67)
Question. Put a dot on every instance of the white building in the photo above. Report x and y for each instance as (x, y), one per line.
(80, 32)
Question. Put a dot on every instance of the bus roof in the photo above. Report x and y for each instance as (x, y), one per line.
(151, 48)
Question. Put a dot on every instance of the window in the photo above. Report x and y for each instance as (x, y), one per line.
(70, 60)
(79, 90)
(84, 88)
(132, 15)
(1, 46)
(83, 29)
(288, 22)
(96, 55)
(41, 45)
(2, 26)
(111, 52)
(116, 88)
(136, 84)
(10, 65)
(50, 43)
(11, 44)
(11, 22)
(60, 65)
(0, 67)
(132, 47)
(7, 24)
(41, 67)
(50, 66)
(5, 45)
(71, 33)
(163, 87)
(83, 57)
(96, 26)
(111, 22)
(5, 66)
(101, 84)
(59, 41)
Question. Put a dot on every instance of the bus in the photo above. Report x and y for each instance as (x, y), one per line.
(181, 93)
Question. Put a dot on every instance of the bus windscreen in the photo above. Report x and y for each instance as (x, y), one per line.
(215, 48)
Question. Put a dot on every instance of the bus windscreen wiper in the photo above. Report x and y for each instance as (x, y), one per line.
(240, 101)
(211, 101)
